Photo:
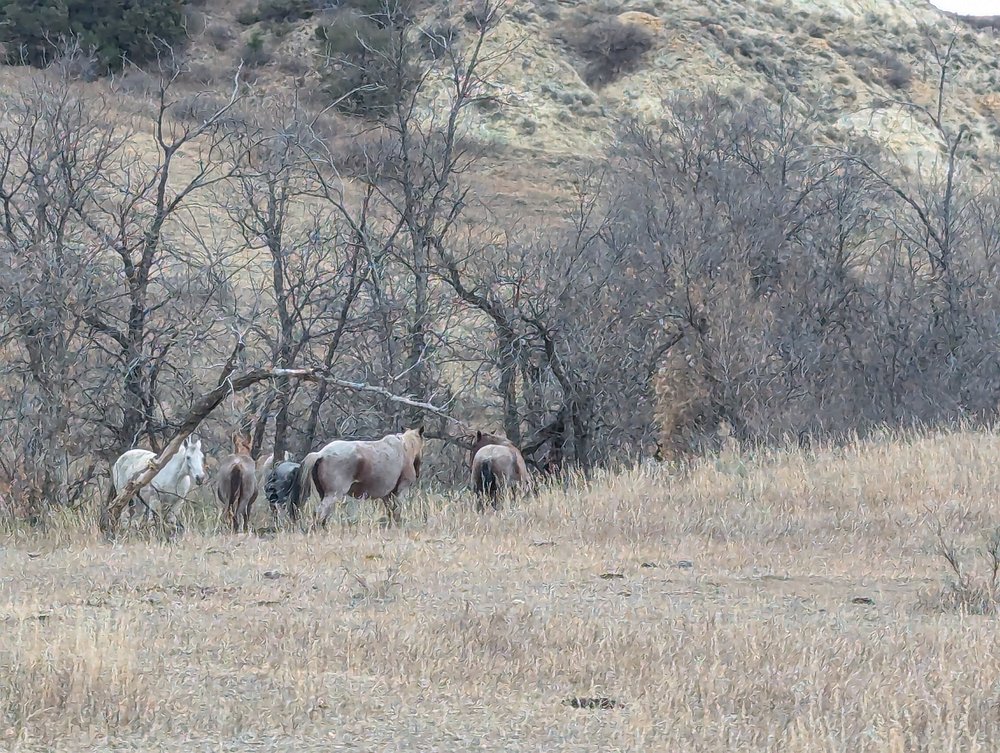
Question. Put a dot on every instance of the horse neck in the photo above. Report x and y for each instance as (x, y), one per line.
(175, 470)
(411, 446)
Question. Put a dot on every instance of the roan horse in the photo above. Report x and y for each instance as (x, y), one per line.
(380, 469)
(165, 494)
(496, 464)
(236, 485)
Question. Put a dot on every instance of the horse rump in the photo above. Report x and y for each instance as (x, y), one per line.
(282, 489)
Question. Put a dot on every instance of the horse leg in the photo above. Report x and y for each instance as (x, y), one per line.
(151, 509)
(393, 508)
(333, 486)
(127, 517)
(170, 518)
(292, 509)
(245, 515)
(325, 508)
(140, 511)
(351, 505)
(330, 501)
(327, 504)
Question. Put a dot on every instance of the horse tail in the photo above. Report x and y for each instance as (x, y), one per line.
(235, 492)
(294, 493)
(485, 481)
(305, 479)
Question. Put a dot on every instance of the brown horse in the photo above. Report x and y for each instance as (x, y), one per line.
(496, 464)
(236, 485)
(350, 470)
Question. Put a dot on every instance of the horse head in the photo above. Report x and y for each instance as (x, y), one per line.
(481, 440)
(194, 460)
(413, 446)
(242, 443)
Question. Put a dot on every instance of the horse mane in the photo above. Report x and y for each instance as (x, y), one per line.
(242, 443)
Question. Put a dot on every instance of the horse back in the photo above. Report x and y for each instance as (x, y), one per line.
(128, 465)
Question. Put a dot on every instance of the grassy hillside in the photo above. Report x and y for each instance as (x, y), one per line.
(565, 73)
(790, 600)
(565, 80)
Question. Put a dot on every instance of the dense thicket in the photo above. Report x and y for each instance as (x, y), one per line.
(31, 30)
(724, 267)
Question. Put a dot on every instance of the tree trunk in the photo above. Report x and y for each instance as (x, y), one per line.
(507, 365)
(416, 358)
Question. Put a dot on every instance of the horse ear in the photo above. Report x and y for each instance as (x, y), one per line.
(421, 430)
(479, 435)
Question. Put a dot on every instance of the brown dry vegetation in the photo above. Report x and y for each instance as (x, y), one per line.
(463, 632)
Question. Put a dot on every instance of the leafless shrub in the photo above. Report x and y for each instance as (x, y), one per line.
(973, 589)
(277, 10)
(137, 81)
(720, 269)
(611, 48)
(206, 72)
(440, 39)
(369, 66)
(256, 50)
(221, 35)
(197, 108)
(195, 20)
(482, 14)
(898, 74)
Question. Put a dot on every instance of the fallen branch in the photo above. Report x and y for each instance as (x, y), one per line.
(362, 387)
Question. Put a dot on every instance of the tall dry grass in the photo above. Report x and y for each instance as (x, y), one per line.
(779, 600)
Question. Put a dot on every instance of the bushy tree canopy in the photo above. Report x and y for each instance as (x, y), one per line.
(31, 29)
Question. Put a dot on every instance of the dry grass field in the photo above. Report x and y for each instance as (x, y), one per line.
(786, 601)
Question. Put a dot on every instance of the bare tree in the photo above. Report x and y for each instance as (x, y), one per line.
(413, 196)
(316, 273)
(54, 149)
(140, 215)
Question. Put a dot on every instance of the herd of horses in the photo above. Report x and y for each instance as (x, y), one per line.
(341, 472)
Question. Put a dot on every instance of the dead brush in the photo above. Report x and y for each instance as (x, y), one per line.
(975, 587)
(375, 590)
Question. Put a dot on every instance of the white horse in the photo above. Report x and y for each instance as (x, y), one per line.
(168, 489)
